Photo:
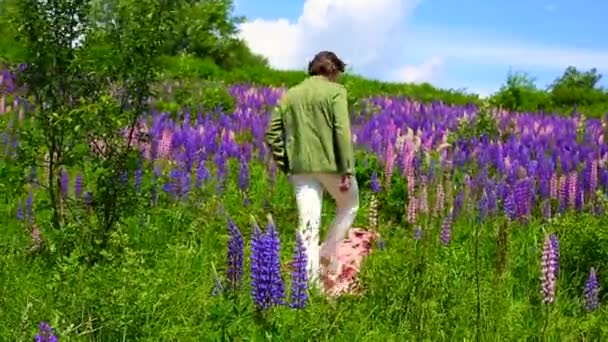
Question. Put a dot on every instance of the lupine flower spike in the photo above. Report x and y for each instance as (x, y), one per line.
(266, 282)
(235, 257)
(373, 204)
(592, 290)
(299, 276)
(45, 333)
(446, 229)
(549, 266)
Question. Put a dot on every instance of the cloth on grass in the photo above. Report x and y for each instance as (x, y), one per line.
(340, 276)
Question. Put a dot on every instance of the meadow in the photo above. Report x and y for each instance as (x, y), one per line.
(492, 227)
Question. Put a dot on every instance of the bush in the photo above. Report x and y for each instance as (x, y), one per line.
(583, 245)
(204, 95)
(518, 94)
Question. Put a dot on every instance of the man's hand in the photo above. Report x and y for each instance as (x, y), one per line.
(345, 183)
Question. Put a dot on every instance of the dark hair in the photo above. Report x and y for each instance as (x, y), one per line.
(325, 63)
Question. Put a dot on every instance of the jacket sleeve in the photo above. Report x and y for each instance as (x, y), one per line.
(274, 137)
(343, 145)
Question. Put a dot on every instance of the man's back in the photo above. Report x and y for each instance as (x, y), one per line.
(308, 112)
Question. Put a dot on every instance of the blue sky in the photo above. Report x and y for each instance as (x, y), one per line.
(454, 44)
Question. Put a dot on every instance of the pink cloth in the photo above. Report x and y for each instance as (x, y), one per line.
(340, 277)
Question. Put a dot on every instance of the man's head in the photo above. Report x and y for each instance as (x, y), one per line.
(327, 64)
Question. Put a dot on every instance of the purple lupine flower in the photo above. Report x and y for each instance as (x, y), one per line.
(299, 276)
(457, 204)
(138, 177)
(580, 199)
(64, 183)
(20, 214)
(243, 176)
(375, 183)
(184, 184)
(220, 162)
(202, 174)
(174, 186)
(29, 206)
(45, 333)
(509, 205)
(273, 264)
(78, 183)
(593, 176)
(417, 233)
(124, 178)
(572, 184)
(412, 209)
(555, 245)
(267, 287)
(217, 286)
(259, 286)
(563, 193)
(521, 195)
(234, 273)
(549, 266)
(88, 199)
(423, 200)
(446, 229)
(33, 175)
(546, 209)
(592, 290)
(492, 202)
(5, 142)
(381, 244)
(483, 206)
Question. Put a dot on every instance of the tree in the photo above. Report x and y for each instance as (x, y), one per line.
(90, 81)
(576, 88)
(207, 29)
(573, 78)
(10, 49)
(519, 93)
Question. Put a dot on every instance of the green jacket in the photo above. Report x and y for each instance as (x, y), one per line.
(310, 129)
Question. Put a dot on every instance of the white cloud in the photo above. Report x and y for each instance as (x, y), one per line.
(359, 31)
(425, 72)
(373, 38)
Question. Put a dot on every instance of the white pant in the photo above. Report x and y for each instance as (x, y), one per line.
(309, 190)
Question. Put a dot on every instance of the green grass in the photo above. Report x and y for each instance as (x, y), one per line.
(156, 281)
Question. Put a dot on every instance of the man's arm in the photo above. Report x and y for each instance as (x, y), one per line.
(274, 136)
(342, 134)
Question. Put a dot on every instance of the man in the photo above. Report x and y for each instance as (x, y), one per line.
(310, 139)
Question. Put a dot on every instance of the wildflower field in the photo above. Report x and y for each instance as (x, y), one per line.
(492, 226)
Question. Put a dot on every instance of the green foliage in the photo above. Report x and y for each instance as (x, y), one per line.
(583, 246)
(482, 124)
(576, 88)
(187, 67)
(520, 93)
(48, 30)
(156, 279)
(157, 283)
(90, 82)
(11, 50)
(197, 95)
(207, 30)
(573, 90)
